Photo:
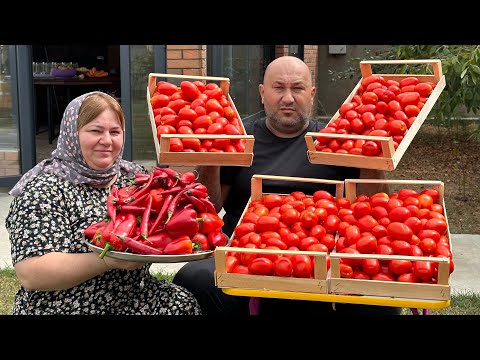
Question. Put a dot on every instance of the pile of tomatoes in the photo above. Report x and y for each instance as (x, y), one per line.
(403, 223)
(408, 223)
(284, 222)
(380, 108)
(196, 108)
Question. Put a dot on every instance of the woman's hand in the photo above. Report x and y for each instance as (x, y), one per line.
(112, 263)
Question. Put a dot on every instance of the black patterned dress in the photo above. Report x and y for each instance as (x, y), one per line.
(50, 215)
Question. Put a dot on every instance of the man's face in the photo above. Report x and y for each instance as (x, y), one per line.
(287, 95)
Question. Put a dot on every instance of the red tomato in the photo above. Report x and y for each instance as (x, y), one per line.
(423, 269)
(190, 90)
(401, 247)
(302, 266)
(370, 266)
(329, 241)
(267, 223)
(246, 258)
(231, 263)
(408, 277)
(272, 241)
(260, 266)
(366, 223)
(331, 223)
(433, 193)
(367, 244)
(399, 231)
(352, 235)
(240, 269)
(436, 224)
(399, 267)
(346, 271)
(350, 261)
(370, 148)
(193, 144)
(283, 266)
(383, 277)
(200, 85)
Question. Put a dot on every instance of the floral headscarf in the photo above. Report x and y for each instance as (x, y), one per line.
(67, 160)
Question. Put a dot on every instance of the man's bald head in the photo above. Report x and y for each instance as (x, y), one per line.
(288, 65)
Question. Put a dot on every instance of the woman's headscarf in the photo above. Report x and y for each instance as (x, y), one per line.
(67, 160)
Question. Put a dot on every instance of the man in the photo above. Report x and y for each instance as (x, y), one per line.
(288, 96)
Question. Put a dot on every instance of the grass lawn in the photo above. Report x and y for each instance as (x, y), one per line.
(464, 303)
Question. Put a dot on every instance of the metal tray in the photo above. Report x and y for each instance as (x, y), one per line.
(151, 258)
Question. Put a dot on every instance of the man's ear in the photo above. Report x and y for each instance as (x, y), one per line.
(260, 89)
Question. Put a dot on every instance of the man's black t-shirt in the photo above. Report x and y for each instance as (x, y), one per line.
(276, 156)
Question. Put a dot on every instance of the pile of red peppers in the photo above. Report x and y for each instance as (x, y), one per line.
(160, 213)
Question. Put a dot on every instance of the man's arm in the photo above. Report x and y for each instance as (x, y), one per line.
(210, 177)
(370, 189)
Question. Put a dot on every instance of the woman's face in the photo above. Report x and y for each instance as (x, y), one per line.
(101, 140)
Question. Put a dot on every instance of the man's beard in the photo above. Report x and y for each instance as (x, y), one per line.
(291, 125)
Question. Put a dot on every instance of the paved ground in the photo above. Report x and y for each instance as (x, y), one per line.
(466, 254)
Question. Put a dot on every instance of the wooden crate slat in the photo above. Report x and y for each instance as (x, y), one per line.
(162, 147)
(318, 284)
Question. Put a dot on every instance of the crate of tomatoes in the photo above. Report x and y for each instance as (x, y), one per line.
(379, 119)
(194, 121)
(394, 245)
(282, 241)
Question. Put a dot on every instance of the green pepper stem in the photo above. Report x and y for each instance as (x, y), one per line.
(107, 248)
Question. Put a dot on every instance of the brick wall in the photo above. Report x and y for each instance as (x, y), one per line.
(187, 60)
(9, 163)
(310, 56)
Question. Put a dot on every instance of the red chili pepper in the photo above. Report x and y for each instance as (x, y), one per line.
(138, 247)
(145, 218)
(209, 205)
(127, 226)
(140, 192)
(161, 215)
(106, 231)
(197, 193)
(217, 238)
(97, 237)
(180, 245)
(210, 222)
(138, 201)
(176, 200)
(141, 178)
(197, 204)
(183, 222)
(187, 178)
(90, 230)
(111, 207)
(159, 240)
(169, 171)
(201, 187)
(126, 192)
(173, 190)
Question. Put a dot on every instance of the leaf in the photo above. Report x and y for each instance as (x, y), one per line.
(463, 73)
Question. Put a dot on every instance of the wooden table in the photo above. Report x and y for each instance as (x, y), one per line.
(51, 82)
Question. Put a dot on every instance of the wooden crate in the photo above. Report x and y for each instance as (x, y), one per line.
(390, 289)
(318, 284)
(166, 157)
(391, 157)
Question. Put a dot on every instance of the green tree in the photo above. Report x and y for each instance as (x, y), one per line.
(460, 64)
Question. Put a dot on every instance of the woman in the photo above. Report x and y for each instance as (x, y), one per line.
(56, 200)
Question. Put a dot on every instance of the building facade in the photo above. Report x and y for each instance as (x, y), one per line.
(31, 106)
